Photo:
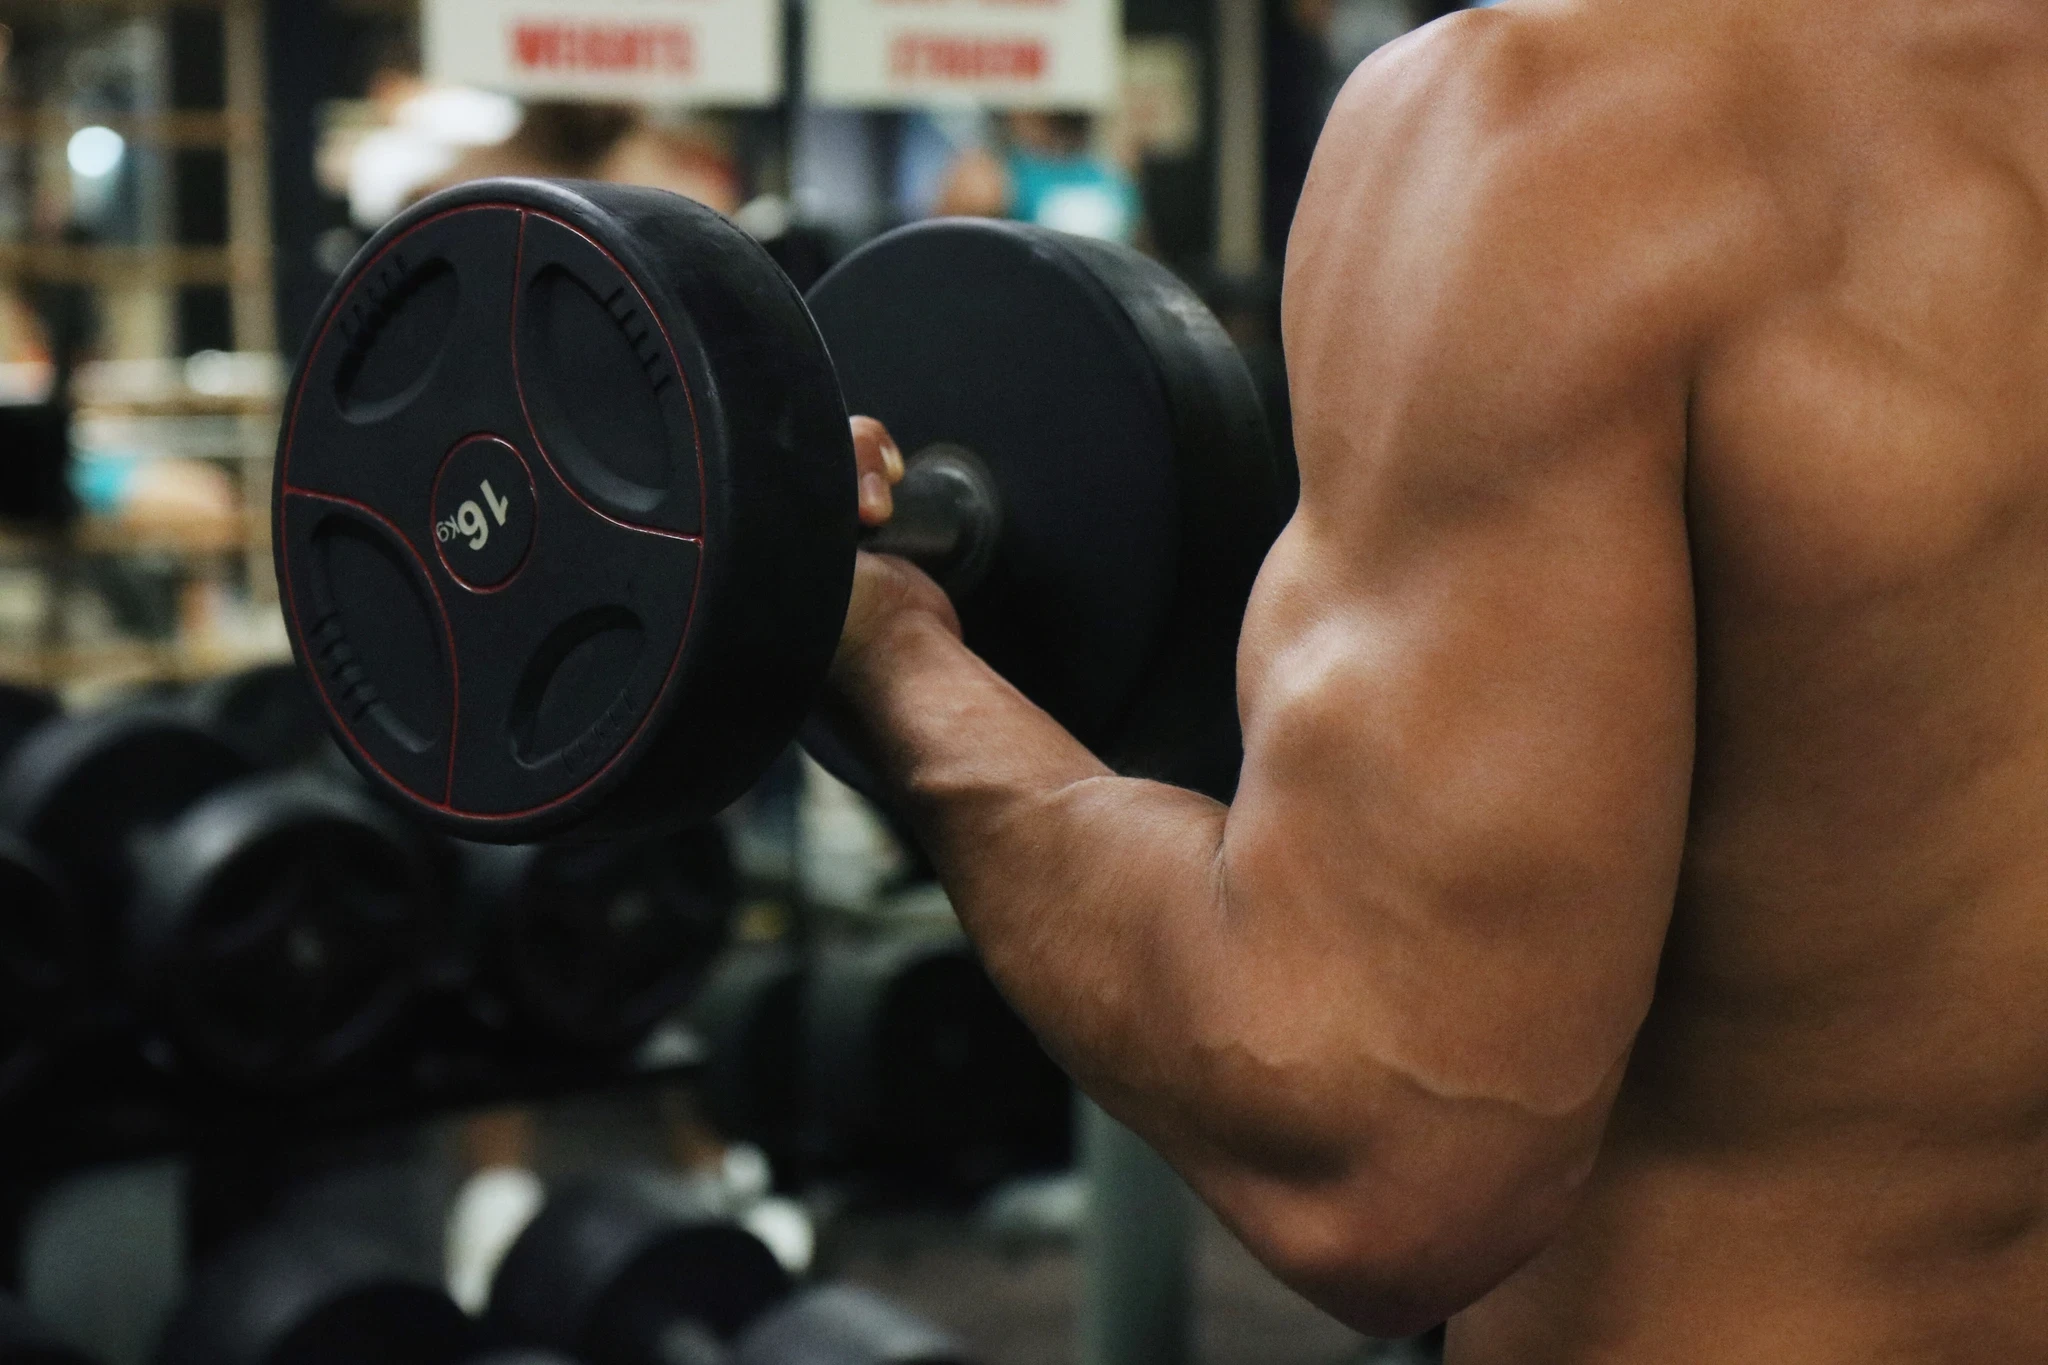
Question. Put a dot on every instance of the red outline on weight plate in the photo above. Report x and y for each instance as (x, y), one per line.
(285, 489)
(682, 380)
(447, 633)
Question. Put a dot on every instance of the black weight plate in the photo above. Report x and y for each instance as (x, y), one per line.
(609, 1267)
(916, 1062)
(1136, 474)
(25, 1341)
(312, 1295)
(280, 929)
(750, 1015)
(22, 709)
(594, 944)
(38, 947)
(846, 1325)
(268, 714)
(82, 789)
(564, 509)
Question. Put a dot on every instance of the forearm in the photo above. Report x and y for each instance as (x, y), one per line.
(1092, 898)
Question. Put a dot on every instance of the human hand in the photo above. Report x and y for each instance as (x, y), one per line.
(887, 591)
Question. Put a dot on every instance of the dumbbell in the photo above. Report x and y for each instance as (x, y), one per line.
(633, 1273)
(845, 1325)
(750, 1015)
(22, 709)
(592, 945)
(25, 1341)
(39, 960)
(915, 1064)
(267, 714)
(566, 511)
(895, 1056)
(310, 1294)
(269, 925)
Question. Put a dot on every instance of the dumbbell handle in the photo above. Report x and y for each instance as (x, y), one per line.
(947, 520)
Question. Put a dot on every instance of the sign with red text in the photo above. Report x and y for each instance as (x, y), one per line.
(652, 51)
(1030, 54)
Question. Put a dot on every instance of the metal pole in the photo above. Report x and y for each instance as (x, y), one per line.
(1240, 136)
(1137, 1297)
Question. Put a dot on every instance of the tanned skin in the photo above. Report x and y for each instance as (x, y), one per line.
(1631, 932)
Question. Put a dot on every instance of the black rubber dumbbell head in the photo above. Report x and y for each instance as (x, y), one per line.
(41, 967)
(22, 709)
(313, 1295)
(565, 509)
(1128, 450)
(624, 1272)
(280, 928)
(268, 714)
(592, 945)
(846, 1325)
(750, 1015)
(914, 1063)
(82, 789)
(26, 1341)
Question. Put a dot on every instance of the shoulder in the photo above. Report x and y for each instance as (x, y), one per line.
(1549, 119)
(1549, 181)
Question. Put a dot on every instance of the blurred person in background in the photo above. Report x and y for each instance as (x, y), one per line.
(686, 154)
(407, 138)
(1044, 169)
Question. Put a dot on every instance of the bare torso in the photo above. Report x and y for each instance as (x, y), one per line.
(1629, 936)
(1832, 1142)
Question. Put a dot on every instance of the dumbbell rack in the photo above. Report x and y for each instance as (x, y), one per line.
(111, 1104)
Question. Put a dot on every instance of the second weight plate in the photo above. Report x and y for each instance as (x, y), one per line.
(1137, 478)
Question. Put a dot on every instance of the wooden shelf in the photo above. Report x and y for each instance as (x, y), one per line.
(229, 537)
(93, 536)
(43, 10)
(128, 661)
(208, 549)
(180, 405)
(215, 129)
(130, 266)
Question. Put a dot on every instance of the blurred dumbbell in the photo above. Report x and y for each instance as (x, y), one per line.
(750, 1017)
(267, 714)
(632, 1273)
(307, 1294)
(39, 961)
(592, 945)
(22, 709)
(901, 1058)
(844, 1325)
(916, 1063)
(25, 1341)
(270, 925)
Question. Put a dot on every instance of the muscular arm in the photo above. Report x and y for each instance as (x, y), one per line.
(1377, 1009)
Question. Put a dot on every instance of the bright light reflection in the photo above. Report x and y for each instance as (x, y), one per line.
(94, 152)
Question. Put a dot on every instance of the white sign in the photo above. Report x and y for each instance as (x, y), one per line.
(1043, 54)
(653, 51)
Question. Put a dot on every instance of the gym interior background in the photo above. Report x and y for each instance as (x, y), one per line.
(284, 1078)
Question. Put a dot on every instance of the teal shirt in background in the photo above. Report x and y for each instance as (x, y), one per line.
(1083, 195)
